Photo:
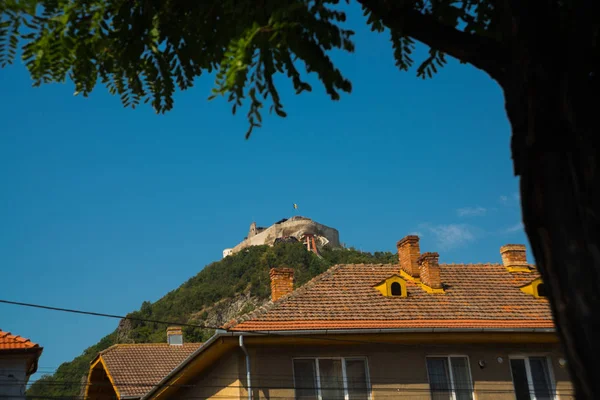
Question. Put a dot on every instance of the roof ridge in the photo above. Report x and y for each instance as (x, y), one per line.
(318, 303)
(106, 350)
(308, 285)
(121, 345)
(474, 263)
(161, 344)
(296, 292)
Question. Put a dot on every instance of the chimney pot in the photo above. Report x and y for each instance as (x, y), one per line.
(408, 254)
(174, 336)
(282, 282)
(429, 268)
(514, 255)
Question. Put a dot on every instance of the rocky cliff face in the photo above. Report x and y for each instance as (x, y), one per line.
(216, 315)
(124, 332)
(227, 309)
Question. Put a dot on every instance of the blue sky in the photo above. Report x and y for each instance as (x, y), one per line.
(102, 207)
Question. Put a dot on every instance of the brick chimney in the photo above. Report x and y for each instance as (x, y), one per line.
(282, 282)
(514, 256)
(174, 336)
(408, 254)
(429, 269)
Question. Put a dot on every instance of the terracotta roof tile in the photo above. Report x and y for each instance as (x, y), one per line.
(136, 368)
(12, 342)
(476, 296)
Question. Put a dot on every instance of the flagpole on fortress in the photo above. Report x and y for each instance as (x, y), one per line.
(296, 208)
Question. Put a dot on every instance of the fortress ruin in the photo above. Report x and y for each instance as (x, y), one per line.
(295, 229)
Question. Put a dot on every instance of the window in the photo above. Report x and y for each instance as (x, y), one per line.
(531, 378)
(331, 378)
(394, 286)
(536, 288)
(175, 340)
(541, 290)
(449, 378)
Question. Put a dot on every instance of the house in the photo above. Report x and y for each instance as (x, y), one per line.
(416, 330)
(18, 361)
(129, 371)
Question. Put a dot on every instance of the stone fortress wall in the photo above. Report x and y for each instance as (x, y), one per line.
(296, 227)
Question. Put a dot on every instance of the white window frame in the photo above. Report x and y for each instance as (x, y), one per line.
(344, 377)
(448, 357)
(528, 373)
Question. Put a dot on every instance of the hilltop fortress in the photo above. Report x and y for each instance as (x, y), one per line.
(295, 229)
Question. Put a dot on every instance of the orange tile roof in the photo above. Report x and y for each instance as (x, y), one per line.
(344, 297)
(13, 342)
(136, 368)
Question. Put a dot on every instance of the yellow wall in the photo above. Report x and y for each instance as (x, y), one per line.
(400, 370)
(100, 385)
(221, 381)
(396, 370)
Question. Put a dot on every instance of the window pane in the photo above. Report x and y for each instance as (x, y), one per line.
(305, 379)
(540, 377)
(175, 339)
(541, 290)
(439, 380)
(332, 383)
(356, 376)
(396, 289)
(461, 377)
(519, 375)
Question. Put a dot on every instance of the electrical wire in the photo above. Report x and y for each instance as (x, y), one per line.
(217, 379)
(260, 386)
(253, 332)
(97, 314)
(397, 395)
(287, 386)
(397, 391)
(270, 377)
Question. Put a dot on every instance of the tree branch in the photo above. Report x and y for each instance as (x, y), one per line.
(481, 52)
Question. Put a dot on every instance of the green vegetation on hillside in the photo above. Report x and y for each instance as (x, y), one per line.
(242, 273)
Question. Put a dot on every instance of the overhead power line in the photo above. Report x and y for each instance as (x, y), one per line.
(330, 388)
(261, 378)
(257, 332)
(266, 333)
(97, 314)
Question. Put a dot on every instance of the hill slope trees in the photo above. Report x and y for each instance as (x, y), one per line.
(222, 290)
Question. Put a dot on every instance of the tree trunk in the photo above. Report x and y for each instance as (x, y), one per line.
(552, 110)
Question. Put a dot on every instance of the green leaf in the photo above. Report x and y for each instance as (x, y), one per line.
(145, 51)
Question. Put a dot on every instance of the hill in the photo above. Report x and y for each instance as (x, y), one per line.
(222, 290)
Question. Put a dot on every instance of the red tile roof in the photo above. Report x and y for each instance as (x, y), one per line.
(136, 368)
(12, 342)
(344, 297)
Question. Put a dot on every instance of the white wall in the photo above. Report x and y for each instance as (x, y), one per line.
(227, 252)
(13, 378)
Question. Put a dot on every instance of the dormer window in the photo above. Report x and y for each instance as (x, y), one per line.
(541, 290)
(536, 288)
(394, 286)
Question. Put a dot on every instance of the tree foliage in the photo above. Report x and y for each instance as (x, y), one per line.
(143, 50)
(246, 271)
(544, 55)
